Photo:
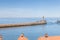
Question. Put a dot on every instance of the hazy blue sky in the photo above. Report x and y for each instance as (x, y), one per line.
(29, 8)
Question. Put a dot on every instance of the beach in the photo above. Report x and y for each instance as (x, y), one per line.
(50, 38)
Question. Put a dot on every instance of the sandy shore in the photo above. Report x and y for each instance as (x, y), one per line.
(42, 38)
(50, 38)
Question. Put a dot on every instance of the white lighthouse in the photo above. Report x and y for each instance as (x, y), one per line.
(43, 21)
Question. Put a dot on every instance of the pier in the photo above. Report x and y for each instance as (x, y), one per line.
(41, 22)
(21, 24)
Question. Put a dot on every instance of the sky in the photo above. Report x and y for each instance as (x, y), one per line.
(29, 8)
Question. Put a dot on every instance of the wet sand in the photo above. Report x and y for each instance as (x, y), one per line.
(50, 38)
(22, 38)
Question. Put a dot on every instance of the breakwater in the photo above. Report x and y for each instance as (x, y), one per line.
(41, 22)
(22, 24)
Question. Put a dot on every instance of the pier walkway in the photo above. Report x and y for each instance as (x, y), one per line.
(22, 24)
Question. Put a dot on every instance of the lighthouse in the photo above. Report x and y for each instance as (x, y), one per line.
(43, 21)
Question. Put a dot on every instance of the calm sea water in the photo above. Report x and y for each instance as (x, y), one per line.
(31, 32)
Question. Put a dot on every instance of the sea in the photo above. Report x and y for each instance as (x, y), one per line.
(52, 28)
